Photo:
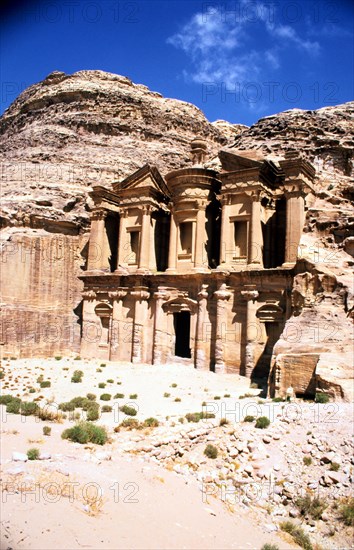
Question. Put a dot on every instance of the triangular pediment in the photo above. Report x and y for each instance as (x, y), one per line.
(148, 178)
(240, 160)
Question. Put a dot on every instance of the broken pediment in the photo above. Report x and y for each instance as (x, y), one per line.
(147, 178)
(240, 160)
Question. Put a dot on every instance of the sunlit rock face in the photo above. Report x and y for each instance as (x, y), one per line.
(69, 133)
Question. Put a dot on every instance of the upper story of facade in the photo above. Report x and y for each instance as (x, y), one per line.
(248, 215)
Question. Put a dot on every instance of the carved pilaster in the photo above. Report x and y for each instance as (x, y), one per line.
(98, 255)
(160, 296)
(117, 297)
(200, 359)
(222, 296)
(141, 296)
(250, 294)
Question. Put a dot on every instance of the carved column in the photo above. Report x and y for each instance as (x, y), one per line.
(200, 359)
(295, 208)
(144, 250)
(122, 243)
(117, 317)
(252, 332)
(160, 296)
(98, 255)
(141, 296)
(255, 247)
(200, 254)
(221, 295)
(226, 247)
(172, 253)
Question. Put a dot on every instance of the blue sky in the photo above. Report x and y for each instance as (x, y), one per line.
(237, 61)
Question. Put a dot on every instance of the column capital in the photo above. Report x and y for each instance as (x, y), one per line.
(89, 294)
(98, 214)
(203, 294)
(118, 294)
(140, 293)
(222, 293)
(161, 295)
(250, 293)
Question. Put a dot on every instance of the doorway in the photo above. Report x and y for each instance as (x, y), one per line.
(182, 325)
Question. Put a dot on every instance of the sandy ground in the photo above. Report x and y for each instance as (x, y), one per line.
(142, 504)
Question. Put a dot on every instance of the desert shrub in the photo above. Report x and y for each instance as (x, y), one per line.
(334, 466)
(307, 460)
(129, 411)
(321, 398)
(5, 399)
(166, 394)
(119, 396)
(78, 401)
(249, 418)
(98, 370)
(86, 432)
(262, 422)
(45, 384)
(133, 396)
(246, 395)
(103, 365)
(177, 400)
(28, 408)
(211, 451)
(174, 385)
(346, 512)
(216, 397)
(57, 357)
(270, 547)
(105, 397)
(93, 411)
(13, 407)
(278, 399)
(106, 409)
(2, 374)
(32, 390)
(151, 422)
(130, 424)
(298, 534)
(46, 413)
(309, 506)
(67, 406)
(77, 358)
(223, 422)
(102, 385)
(77, 376)
(197, 416)
(91, 396)
(33, 454)
(110, 381)
(47, 430)
(227, 395)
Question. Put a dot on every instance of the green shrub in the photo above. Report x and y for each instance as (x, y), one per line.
(93, 412)
(33, 454)
(47, 430)
(321, 398)
(77, 358)
(77, 376)
(106, 409)
(307, 460)
(91, 396)
(131, 424)
(278, 399)
(102, 385)
(227, 395)
(133, 396)
(105, 397)
(103, 365)
(223, 422)
(2, 374)
(151, 422)
(46, 413)
(57, 357)
(216, 397)
(66, 406)
(119, 396)
(98, 370)
(346, 512)
(79, 401)
(211, 451)
(28, 408)
(270, 547)
(86, 432)
(32, 390)
(174, 385)
(5, 399)
(166, 394)
(129, 411)
(262, 422)
(45, 384)
(334, 466)
(249, 418)
(177, 400)
(297, 533)
(309, 506)
(13, 407)
(197, 416)
(110, 381)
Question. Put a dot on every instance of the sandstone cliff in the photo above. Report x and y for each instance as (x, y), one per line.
(69, 132)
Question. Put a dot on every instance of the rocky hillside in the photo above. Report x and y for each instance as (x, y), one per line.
(69, 132)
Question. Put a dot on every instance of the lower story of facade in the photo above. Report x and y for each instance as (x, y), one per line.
(223, 322)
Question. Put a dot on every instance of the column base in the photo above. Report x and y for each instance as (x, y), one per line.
(255, 266)
(201, 269)
(171, 270)
(288, 265)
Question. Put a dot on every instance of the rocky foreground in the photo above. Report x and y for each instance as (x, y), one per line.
(244, 490)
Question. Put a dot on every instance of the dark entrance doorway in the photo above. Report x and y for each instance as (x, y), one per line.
(182, 325)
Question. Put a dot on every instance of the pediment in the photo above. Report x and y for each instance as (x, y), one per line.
(240, 160)
(148, 178)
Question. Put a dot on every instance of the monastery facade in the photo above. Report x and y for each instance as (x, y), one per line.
(195, 266)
